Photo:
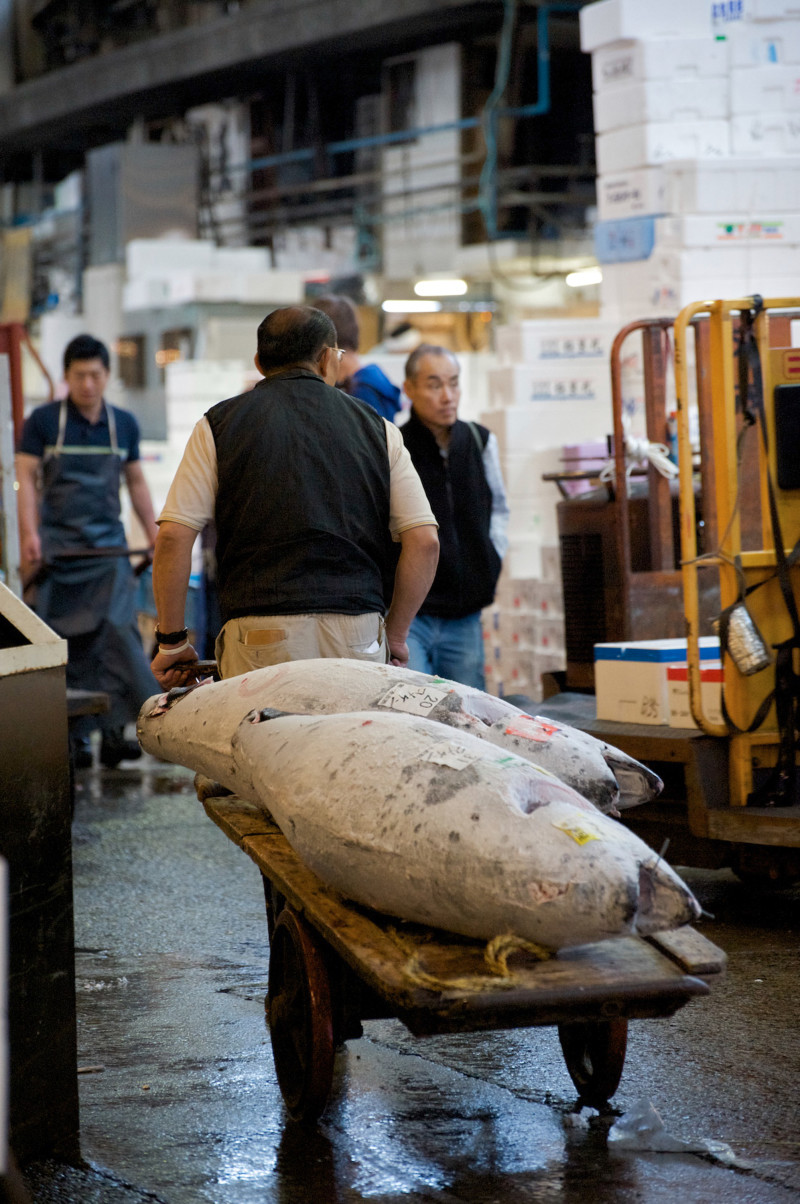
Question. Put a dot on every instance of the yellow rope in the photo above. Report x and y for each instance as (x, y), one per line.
(500, 948)
(495, 955)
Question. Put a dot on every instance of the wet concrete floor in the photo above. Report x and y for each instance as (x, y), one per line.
(179, 1102)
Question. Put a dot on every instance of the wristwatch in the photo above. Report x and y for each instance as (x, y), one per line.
(171, 637)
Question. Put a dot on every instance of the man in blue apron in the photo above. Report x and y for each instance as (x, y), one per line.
(71, 457)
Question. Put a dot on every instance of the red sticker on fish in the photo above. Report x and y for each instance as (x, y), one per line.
(531, 727)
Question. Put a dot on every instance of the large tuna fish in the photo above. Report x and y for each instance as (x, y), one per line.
(602, 774)
(436, 826)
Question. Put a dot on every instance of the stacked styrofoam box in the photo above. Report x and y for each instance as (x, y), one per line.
(717, 136)
(524, 630)
(162, 272)
(193, 386)
(552, 379)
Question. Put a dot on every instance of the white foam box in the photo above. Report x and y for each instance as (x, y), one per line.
(731, 265)
(546, 424)
(701, 230)
(637, 193)
(521, 384)
(658, 142)
(661, 100)
(185, 287)
(728, 14)
(532, 523)
(771, 89)
(552, 342)
(615, 20)
(513, 593)
(759, 45)
(679, 59)
(524, 555)
(732, 186)
(711, 678)
(548, 636)
(772, 10)
(160, 257)
(667, 300)
(144, 293)
(765, 134)
(551, 571)
(548, 597)
(522, 471)
(188, 379)
(545, 661)
(274, 287)
(242, 259)
(630, 678)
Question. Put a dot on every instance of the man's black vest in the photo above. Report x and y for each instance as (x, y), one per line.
(461, 501)
(302, 509)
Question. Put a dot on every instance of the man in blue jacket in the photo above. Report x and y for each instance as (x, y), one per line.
(459, 466)
(367, 382)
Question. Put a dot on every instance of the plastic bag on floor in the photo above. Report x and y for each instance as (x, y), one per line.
(643, 1129)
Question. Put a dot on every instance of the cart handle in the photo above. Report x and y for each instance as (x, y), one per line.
(689, 566)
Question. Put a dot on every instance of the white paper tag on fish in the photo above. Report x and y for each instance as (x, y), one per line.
(415, 700)
(451, 755)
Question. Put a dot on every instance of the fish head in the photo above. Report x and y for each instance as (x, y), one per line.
(637, 784)
(665, 901)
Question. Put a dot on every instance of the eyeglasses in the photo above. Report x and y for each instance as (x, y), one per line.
(339, 351)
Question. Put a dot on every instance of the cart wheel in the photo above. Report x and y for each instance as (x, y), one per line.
(595, 1054)
(300, 1016)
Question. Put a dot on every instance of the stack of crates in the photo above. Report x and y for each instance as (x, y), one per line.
(699, 196)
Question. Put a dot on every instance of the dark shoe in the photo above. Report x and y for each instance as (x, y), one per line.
(82, 753)
(115, 748)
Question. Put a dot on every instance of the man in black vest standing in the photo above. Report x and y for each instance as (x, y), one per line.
(308, 489)
(459, 465)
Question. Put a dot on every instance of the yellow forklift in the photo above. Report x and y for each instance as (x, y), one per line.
(731, 794)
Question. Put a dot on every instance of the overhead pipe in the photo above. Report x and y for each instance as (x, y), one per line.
(536, 108)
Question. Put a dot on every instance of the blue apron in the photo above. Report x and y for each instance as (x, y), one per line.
(91, 602)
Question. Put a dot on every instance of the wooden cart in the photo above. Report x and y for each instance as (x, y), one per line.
(333, 964)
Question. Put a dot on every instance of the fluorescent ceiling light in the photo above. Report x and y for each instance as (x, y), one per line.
(411, 307)
(440, 288)
(584, 277)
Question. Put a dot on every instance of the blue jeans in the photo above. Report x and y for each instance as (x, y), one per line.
(450, 648)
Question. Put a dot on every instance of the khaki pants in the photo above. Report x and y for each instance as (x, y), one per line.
(255, 641)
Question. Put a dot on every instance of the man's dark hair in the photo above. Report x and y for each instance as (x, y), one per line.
(297, 334)
(86, 347)
(344, 315)
(412, 363)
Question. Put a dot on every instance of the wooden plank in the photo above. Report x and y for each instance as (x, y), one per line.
(239, 819)
(777, 826)
(425, 972)
(693, 952)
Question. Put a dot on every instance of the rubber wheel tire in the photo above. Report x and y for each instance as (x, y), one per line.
(595, 1055)
(300, 1016)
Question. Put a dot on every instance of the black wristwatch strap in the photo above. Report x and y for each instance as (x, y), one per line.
(171, 637)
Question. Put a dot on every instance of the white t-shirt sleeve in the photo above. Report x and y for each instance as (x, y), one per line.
(498, 525)
(192, 494)
(408, 502)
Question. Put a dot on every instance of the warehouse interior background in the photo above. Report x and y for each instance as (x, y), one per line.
(540, 186)
(517, 181)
